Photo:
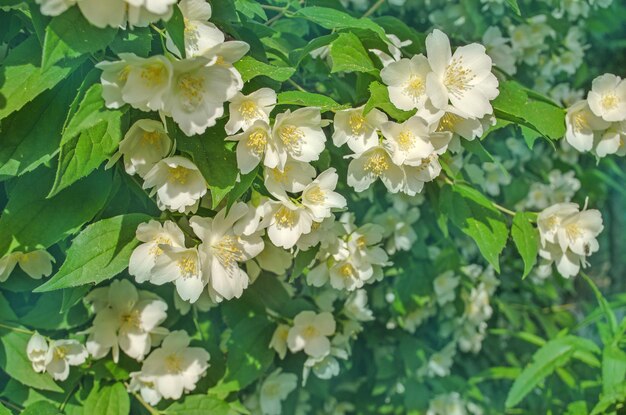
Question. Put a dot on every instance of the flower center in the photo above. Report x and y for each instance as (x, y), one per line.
(281, 175)
(173, 363)
(159, 240)
(150, 138)
(610, 101)
(377, 163)
(179, 174)
(188, 266)
(291, 135)
(257, 141)
(122, 76)
(573, 231)
(448, 122)
(227, 251)
(406, 140)
(191, 88)
(153, 74)
(357, 123)
(316, 195)
(415, 87)
(249, 110)
(581, 123)
(132, 319)
(285, 217)
(347, 271)
(309, 332)
(457, 77)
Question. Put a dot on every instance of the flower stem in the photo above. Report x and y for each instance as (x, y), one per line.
(16, 329)
(152, 410)
(372, 9)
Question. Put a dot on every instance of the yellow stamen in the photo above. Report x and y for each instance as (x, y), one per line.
(257, 140)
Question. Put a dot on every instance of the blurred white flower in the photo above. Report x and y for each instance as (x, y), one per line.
(310, 333)
(36, 264)
(275, 389)
(55, 358)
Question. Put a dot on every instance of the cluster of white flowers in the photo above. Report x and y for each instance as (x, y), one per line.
(598, 124)
(568, 236)
(55, 356)
(192, 91)
(452, 404)
(561, 187)
(36, 264)
(113, 13)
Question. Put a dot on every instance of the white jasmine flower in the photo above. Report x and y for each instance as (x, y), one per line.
(115, 13)
(54, 7)
(145, 143)
(255, 145)
(175, 368)
(394, 46)
(244, 110)
(275, 389)
(582, 126)
(36, 264)
(55, 358)
(607, 98)
(495, 176)
(285, 222)
(464, 78)
(372, 164)
(349, 274)
(154, 235)
(356, 306)
(445, 286)
(319, 196)
(126, 318)
(292, 178)
(181, 266)
(279, 340)
(310, 333)
(299, 134)
(470, 336)
(145, 388)
(440, 362)
(406, 82)
(449, 404)
(147, 83)
(115, 77)
(359, 131)
(178, 184)
(409, 141)
(37, 351)
(197, 95)
(498, 49)
(223, 247)
(200, 34)
(274, 259)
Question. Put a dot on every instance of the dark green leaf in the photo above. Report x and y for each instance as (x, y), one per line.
(338, 20)
(175, 27)
(248, 353)
(526, 239)
(309, 99)
(108, 400)
(42, 408)
(199, 405)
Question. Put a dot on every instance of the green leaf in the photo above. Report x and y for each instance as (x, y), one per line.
(604, 305)
(395, 26)
(15, 363)
(379, 98)
(309, 99)
(250, 68)
(546, 360)
(349, 55)
(6, 312)
(70, 35)
(526, 239)
(337, 20)
(108, 400)
(98, 253)
(45, 314)
(241, 186)
(296, 56)
(30, 221)
(476, 216)
(175, 27)
(607, 400)
(137, 41)
(42, 408)
(4, 410)
(250, 8)
(199, 405)
(513, 5)
(302, 260)
(24, 80)
(613, 367)
(248, 353)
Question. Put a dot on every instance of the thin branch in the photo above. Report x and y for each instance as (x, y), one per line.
(295, 85)
(17, 329)
(152, 410)
(372, 9)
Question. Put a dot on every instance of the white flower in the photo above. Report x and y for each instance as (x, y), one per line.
(114, 78)
(455, 122)
(36, 264)
(409, 142)
(145, 143)
(174, 368)
(37, 350)
(292, 178)
(200, 34)
(406, 81)
(319, 196)
(274, 259)
(178, 184)
(115, 13)
(464, 78)
(582, 126)
(449, 404)
(356, 306)
(55, 358)
(349, 274)
(198, 92)
(126, 318)
(244, 110)
(224, 245)
(279, 340)
(359, 131)
(495, 176)
(145, 388)
(498, 49)
(310, 333)
(607, 98)
(255, 145)
(154, 235)
(372, 164)
(147, 83)
(181, 266)
(477, 307)
(394, 46)
(285, 222)
(440, 362)
(54, 7)
(275, 389)
(445, 286)
(299, 134)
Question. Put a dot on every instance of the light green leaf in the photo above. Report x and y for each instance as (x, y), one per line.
(604, 305)
(41, 408)
(475, 215)
(69, 35)
(379, 98)
(613, 367)
(337, 20)
(302, 261)
(108, 400)
(309, 99)
(175, 27)
(526, 239)
(349, 55)
(4, 410)
(250, 68)
(513, 5)
(30, 221)
(199, 405)
(98, 253)
(24, 80)
(15, 363)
